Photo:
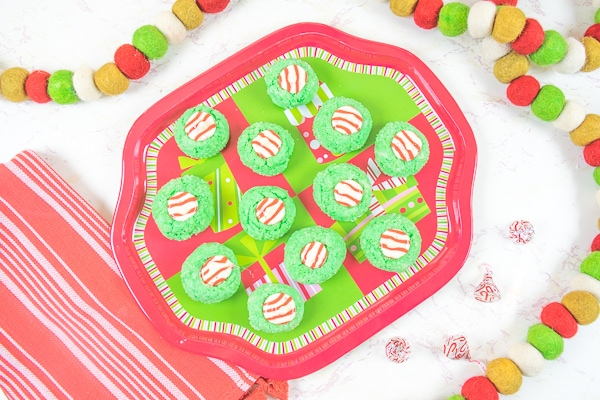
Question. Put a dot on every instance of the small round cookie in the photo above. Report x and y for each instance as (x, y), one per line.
(342, 125)
(265, 148)
(342, 191)
(211, 273)
(201, 132)
(401, 149)
(274, 307)
(266, 212)
(291, 82)
(183, 207)
(391, 242)
(314, 254)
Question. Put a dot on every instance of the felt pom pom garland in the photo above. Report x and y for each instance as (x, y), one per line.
(131, 61)
(512, 41)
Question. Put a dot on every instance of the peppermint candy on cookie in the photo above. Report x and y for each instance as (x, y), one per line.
(279, 308)
(406, 145)
(270, 211)
(200, 126)
(216, 270)
(182, 206)
(348, 193)
(347, 120)
(266, 144)
(292, 78)
(314, 255)
(394, 243)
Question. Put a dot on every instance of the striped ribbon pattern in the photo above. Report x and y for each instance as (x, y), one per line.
(69, 327)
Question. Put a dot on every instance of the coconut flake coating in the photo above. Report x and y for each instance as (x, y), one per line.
(205, 148)
(281, 97)
(247, 213)
(389, 163)
(255, 308)
(265, 166)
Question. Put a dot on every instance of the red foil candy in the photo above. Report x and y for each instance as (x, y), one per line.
(397, 349)
(521, 232)
(557, 317)
(487, 291)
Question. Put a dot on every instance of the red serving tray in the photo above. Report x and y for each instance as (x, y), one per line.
(440, 113)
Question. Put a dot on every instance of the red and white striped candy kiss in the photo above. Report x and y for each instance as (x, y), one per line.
(406, 145)
(182, 206)
(347, 120)
(200, 126)
(348, 193)
(270, 211)
(394, 243)
(216, 270)
(313, 255)
(279, 308)
(292, 78)
(266, 144)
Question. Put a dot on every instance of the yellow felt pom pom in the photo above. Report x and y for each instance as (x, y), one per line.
(505, 375)
(403, 8)
(592, 54)
(12, 84)
(188, 13)
(582, 305)
(110, 80)
(587, 132)
(509, 24)
(510, 67)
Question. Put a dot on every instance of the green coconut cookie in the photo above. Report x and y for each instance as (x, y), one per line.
(266, 212)
(211, 273)
(401, 149)
(183, 207)
(275, 307)
(342, 125)
(265, 148)
(314, 254)
(384, 242)
(336, 192)
(201, 132)
(291, 82)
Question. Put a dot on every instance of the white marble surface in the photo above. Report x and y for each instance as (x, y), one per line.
(526, 170)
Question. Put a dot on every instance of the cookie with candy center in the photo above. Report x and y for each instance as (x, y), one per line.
(292, 78)
(314, 255)
(348, 193)
(266, 144)
(182, 206)
(406, 145)
(201, 132)
(347, 120)
(291, 83)
(216, 270)
(279, 308)
(200, 126)
(265, 148)
(394, 243)
(270, 211)
(401, 149)
(275, 307)
(266, 212)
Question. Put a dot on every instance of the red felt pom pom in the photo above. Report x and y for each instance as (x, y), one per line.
(427, 12)
(212, 6)
(557, 317)
(479, 388)
(36, 86)
(530, 39)
(591, 153)
(523, 90)
(593, 31)
(132, 62)
(596, 243)
(505, 2)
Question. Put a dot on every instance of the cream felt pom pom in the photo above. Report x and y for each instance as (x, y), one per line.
(83, 83)
(586, 283)
(492, 51)
(170, 26)
(481, 19)
(529, 360)
(571, 116)
(574, 59)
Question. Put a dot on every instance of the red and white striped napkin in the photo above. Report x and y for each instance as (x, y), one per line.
(69, 327)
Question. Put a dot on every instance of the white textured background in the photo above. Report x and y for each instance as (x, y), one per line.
(526, 170)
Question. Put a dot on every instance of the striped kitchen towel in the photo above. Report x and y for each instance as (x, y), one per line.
(69, 327)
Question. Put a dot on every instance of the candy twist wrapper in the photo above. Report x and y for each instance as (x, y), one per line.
(397, 349)
(457, 348)
(521, 232)
(487, 291)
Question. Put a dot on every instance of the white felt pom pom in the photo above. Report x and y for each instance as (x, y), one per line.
(529, 360)
(574, 59)
(586, 283)
(570, 117)
(83, 83)
(492, 51)
(598, 197)
(170, 26)
(481, 19)
(596, 3)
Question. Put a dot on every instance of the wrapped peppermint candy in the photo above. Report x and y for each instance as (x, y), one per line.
(397, 349)
(521, 232)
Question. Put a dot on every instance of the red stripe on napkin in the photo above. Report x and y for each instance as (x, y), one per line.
(69, 327)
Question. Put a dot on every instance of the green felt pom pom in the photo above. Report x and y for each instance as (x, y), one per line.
(150, 41)
(456, 397)
(546, 340)
(591, 265)
(60, 87)
(553, 49)
(597, 175)
(453, 19)
(597, 17)
(549, 103)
